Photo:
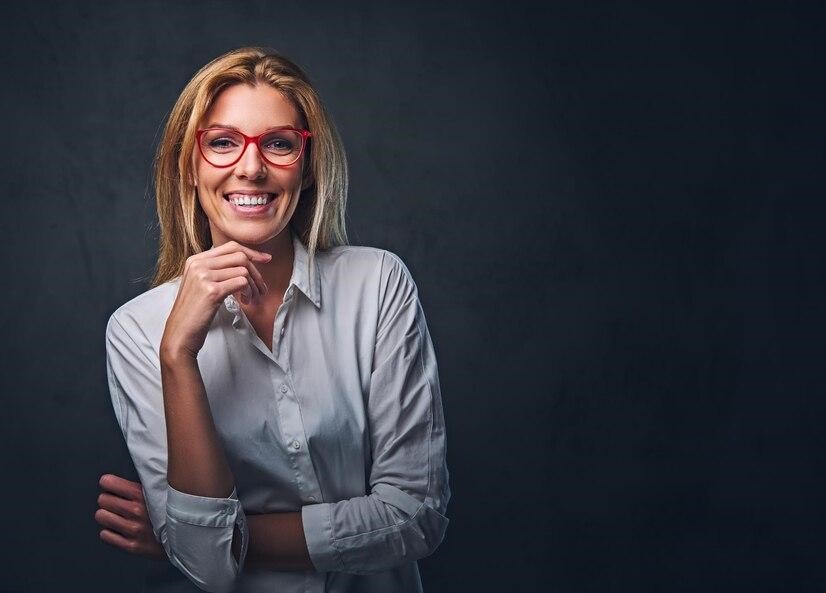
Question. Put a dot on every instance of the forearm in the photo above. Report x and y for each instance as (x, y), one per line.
(276, 542)
(197, 465)
(196, 461)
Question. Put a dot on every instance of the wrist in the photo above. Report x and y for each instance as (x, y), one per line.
(172, 353)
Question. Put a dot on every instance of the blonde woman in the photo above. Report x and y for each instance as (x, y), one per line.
(277, 388)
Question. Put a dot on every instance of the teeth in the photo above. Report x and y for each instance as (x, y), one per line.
(246, 200)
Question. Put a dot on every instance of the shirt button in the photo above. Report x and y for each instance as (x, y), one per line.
(282, 330)
(296, 445)
(283, 389)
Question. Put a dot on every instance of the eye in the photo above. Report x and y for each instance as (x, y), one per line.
(282, 142)
(219, 140)
(278, 145)
(221, 144)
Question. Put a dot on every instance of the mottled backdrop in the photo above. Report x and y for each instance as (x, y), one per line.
(614, 213)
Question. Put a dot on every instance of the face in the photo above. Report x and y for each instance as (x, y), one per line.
(251, 109)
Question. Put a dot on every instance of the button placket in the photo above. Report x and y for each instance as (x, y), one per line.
(295, 440)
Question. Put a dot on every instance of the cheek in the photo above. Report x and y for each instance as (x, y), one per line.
(290, 177)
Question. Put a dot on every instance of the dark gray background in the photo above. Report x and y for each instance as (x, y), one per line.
(614, 216)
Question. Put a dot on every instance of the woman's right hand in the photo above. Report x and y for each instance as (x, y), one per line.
(208, 278)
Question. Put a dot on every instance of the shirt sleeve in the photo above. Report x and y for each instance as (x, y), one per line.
(402, 519)
(195, 531)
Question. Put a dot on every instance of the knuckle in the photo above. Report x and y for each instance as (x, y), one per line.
(133, 529)
(136, 510)
(212, 291)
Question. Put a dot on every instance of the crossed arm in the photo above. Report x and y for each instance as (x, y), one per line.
(197, 465)
(276, 539)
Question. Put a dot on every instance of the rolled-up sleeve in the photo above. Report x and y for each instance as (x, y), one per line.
(195, 531)
(402, 519)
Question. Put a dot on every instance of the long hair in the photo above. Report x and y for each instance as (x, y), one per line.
(318, 219)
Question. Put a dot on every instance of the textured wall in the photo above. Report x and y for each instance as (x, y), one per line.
(614, 216)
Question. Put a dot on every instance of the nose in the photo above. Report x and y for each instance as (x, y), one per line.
(251, 165)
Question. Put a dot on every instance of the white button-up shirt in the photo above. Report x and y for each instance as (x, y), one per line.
(342, 420)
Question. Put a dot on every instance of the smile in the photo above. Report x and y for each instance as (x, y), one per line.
(251, 204)
(249, 199)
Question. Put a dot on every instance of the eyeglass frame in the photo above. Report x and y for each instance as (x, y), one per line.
(253, 140)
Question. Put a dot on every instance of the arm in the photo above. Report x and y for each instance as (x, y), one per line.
(197, 465)
(402, 518)
(195, 531)
(191, 498)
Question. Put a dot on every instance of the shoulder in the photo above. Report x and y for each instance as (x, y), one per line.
(144, 315)
(364, 263)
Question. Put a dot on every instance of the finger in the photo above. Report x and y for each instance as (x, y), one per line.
(117, 523)
(229, 273)
(121, 487)
(236, 261)
(150, 549)
(231, 246)
(239, 284)
(233, 260)
(121, 506)
(115, 539)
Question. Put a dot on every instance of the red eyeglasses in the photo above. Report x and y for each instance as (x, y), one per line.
(280, 147)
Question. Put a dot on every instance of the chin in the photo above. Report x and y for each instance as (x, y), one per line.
(252, 235)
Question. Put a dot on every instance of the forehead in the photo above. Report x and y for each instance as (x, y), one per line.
(252, 109)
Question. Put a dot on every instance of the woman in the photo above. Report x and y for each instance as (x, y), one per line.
(276, 387)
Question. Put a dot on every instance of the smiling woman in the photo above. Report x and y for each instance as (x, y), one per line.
(277, 388)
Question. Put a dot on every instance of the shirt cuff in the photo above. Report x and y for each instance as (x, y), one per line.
(319, 535)
(205, 511)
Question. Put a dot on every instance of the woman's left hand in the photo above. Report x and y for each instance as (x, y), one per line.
(125, 519)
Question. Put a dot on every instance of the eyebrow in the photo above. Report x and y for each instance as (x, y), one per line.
(229, 127)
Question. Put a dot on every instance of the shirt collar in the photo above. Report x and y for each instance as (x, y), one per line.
(307, 281)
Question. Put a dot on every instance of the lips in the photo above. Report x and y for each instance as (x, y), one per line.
(268, 208)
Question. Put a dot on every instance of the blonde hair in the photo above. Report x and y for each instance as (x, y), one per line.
(318, 219)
